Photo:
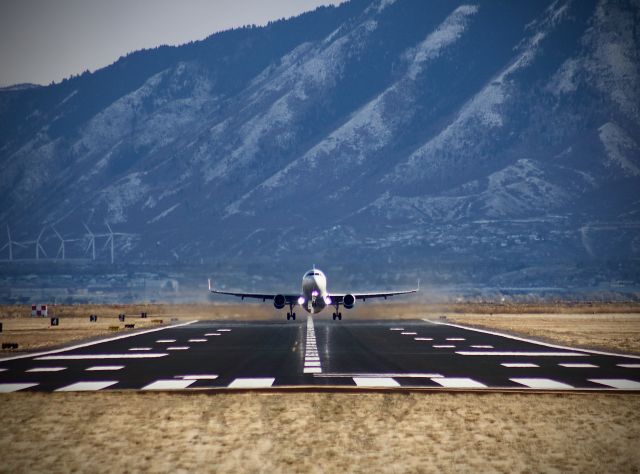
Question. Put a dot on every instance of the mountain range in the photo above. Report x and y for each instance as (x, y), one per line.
(462, 141)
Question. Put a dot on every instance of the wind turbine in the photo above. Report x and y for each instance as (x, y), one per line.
(61, 248)
(92, 242)
(110, 239)
(38, 245)
(10, 244)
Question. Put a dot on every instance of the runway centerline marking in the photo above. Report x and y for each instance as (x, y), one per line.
(629, 366)
(541, 383)
(105, 367)
(197, 377)
(312, 364)
(482, 346)
(168, 384)
(423, 339)
(371, 375)
(177, 348)
(160, 341)
(197, 340)
(140, 349)
(87, 386)
(408, 333)
(209, 334)
(443, 346)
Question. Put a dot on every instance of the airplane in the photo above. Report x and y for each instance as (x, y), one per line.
(314, 296)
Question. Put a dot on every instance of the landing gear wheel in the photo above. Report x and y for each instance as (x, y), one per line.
(340, 316)
(293, 316)
(288, 316)
(334, 316)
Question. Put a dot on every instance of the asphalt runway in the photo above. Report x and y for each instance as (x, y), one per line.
(397, 354)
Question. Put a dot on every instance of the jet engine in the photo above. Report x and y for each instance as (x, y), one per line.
(279, 301)
(349, 301)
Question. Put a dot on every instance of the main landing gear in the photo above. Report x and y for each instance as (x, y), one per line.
(337, 314)
(291, 314)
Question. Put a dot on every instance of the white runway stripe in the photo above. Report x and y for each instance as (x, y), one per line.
(375, 382)
(211, 334)
(14, 387)
(177, 348)
(87, 344)
(197, 377)
(532, 341)
(485, 346)
(252, 383)
(46, 369)
(224, 330)
(2, 370)
(519, 364)
(458, 382)
(140, 349)
(423, 339)
(384, 375)
(456, 339)
(396, 329)
(102, 356)
(523, 354)
(105, 367)
(168, 385)
(578, 366)
(541, 383)
(312, 364)
(197, 340)
(622, 384)
(408, 333)
(443, 346)
(629, 366)
(87, 386)
(161, 341)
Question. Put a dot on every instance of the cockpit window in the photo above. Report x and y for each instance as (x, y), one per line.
(312, 274)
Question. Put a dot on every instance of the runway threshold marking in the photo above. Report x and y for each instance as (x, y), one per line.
(531, 341)
(312, 364)
(384, 375)
(541, 383)
(46, 369)
(622, 384)
(93, 343)
(375, 382)
(86, 386)
(263, 382)
(14, 387)
(458, 382)
(197, 377)
(105, 367)
(522, 354)
(578, 366)
(522, 365)
(168, 384)
(143, 355)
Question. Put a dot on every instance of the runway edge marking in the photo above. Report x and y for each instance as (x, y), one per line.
(531, 341)
(93, 343)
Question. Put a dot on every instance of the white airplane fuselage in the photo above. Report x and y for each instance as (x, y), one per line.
(314, 292)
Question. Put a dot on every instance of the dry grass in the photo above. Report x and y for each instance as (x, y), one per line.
(319, 432)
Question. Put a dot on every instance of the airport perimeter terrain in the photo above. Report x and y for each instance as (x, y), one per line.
(320, 429)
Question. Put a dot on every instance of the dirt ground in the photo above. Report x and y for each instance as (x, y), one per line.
(614, 327)
(319, 432)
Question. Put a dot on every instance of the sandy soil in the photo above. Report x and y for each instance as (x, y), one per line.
(319, 432)
(616, 332)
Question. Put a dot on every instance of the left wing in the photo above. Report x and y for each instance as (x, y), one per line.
(290, 299)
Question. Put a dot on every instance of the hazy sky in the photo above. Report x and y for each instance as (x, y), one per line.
(46, 40)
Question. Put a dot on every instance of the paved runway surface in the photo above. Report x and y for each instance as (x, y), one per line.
(320, 352)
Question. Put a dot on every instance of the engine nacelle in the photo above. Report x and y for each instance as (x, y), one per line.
(279, 301)
(349, 301)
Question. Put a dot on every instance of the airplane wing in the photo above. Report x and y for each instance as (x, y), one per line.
(338, 297)
(290, 299)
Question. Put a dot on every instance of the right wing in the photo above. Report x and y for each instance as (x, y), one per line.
(290, 299)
